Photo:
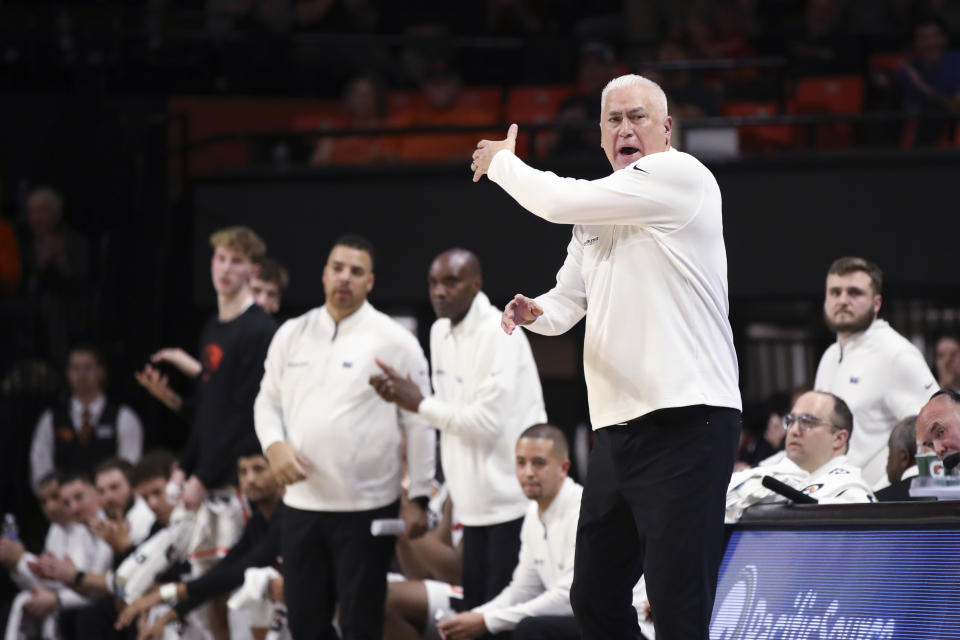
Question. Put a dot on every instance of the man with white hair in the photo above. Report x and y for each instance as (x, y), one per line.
(647, 267)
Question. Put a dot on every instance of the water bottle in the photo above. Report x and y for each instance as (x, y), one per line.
(10, 529)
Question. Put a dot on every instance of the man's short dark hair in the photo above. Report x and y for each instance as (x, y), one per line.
(74, 475)
(247, 447)
(110, 464)
(850, 264)
(275, 273)
(928, 19)
(50, 476)
(549, 432)
(155, 464)
(842, 417)
(86, 347)
(904, 436)
(355, 241)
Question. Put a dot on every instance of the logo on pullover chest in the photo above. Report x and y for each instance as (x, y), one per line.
(854, 379)
(591, 241)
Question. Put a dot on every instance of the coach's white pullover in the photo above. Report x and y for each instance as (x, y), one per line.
(648, 267)
(487, 392)
(883, 378)
(316, 396)
(541, 582)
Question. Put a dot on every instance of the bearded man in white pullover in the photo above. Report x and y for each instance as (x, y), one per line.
(487, 393)
(647, 267)
(881, 375)
(337, 445)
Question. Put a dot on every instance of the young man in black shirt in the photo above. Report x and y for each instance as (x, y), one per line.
(233, 347)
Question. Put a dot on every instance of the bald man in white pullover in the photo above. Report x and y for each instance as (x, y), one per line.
(647, 267)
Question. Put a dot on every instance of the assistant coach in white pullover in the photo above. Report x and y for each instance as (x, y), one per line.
(337, 445)
(487, 392)
(647, 267)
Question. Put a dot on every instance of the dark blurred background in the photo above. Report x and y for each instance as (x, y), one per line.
(831, 126)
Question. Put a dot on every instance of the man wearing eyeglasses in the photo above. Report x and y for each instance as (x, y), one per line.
(818, 432)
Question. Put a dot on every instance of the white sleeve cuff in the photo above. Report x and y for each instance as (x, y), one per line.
(434, 411)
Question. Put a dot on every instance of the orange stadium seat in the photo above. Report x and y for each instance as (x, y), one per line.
(319, 117)
(759, 137)
(536, 105)
(888, 61)
(840, 94)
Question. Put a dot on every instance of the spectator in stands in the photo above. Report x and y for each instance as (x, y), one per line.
(770, 434)
(541, 582)
(575, 132)
(86, 428)
(902, 461)
(487, 392)
(442, 104)
(9, 261)
(259, 546)
(931, 82)
(723, 35)
(55, 258)
(819, 427)
(938, 425)
(365, 106)
(269, 285)
(688, 97)
(313, 397)
(822, 46)
(881, 375)
(947, 361)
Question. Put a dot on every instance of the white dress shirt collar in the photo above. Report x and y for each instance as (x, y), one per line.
(95, 408)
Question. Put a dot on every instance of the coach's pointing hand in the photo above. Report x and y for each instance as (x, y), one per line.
(486, 149)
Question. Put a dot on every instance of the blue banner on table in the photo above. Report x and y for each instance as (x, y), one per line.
(839, 585)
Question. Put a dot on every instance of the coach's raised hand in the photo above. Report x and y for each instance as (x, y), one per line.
(486, 149)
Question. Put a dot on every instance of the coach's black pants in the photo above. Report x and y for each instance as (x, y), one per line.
(653, 504)
(330, 558)
(490, 554)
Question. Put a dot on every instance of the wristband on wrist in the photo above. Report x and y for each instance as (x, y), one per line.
(422, 501)
(168, 593)
(78, 578)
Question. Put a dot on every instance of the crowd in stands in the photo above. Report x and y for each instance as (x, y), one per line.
(143, 545)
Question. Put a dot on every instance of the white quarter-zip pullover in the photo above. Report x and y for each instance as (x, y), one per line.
(883, 378)
(487, 392)
(541, 582)
(316, 396)
(648, 267)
